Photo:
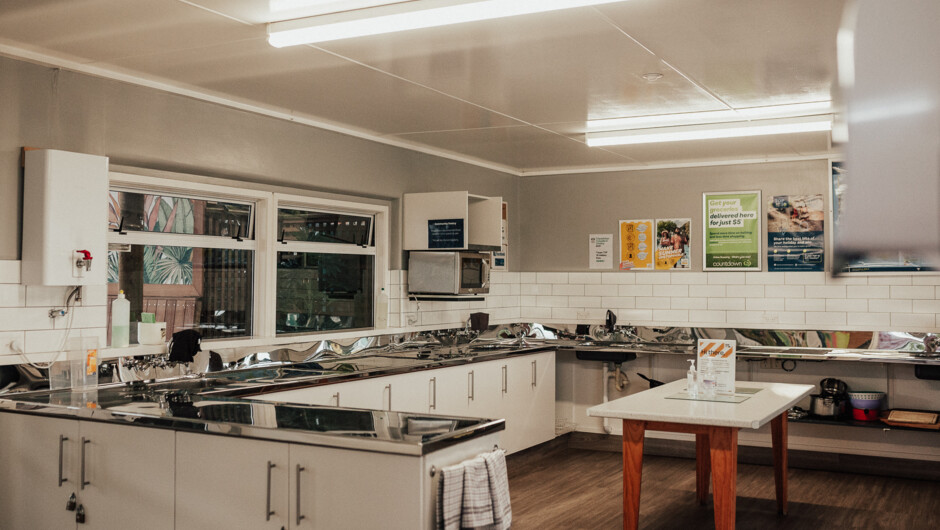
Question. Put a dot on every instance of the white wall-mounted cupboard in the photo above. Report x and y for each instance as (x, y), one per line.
(481, 218)
(121, 476)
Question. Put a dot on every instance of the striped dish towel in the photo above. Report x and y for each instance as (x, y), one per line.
(450, 497)
(499, 488)
(477, 509)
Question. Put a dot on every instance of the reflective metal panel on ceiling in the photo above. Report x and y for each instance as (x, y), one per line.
(513, 94)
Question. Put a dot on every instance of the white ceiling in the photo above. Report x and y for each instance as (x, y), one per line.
(511, 94)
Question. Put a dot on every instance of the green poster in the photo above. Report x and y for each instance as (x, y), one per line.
(732, 230)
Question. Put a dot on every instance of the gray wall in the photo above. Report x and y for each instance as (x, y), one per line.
(558, 212)
(147, 128)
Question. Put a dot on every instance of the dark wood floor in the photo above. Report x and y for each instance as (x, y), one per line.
(560, 487)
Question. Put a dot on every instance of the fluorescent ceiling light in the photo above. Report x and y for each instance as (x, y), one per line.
(709, 131)
(405, 16)
(788, 110)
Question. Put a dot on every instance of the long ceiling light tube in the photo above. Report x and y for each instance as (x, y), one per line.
(787, 110)
(710, 131)
(406, 16)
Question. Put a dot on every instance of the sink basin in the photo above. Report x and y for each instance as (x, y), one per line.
(606, 356)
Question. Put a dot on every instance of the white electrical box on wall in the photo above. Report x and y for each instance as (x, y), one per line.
(65, 219)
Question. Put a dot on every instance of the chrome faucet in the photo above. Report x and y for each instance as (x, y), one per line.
(931, 343)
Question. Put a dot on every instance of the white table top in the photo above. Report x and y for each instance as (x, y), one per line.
(652, 405)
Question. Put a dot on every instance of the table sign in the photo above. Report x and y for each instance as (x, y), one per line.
(721, 355)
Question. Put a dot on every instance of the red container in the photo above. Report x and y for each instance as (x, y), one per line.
(865, 414)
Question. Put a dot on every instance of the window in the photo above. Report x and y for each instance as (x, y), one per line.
(188, 260)
(325, 271)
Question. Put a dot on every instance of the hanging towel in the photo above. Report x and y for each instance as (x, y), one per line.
(477, 509)
(499, 488)
(450, 497)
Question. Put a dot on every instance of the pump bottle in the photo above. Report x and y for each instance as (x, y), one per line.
(120, 321)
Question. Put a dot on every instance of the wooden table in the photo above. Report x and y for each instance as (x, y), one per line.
(715, 425)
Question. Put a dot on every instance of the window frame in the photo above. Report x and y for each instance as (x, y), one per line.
(266, 200)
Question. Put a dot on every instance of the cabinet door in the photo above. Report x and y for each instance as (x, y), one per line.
(337, 489)
(329, 395)
(39, 466)
(227, 482)
(530, 413)
(488, 399)
(450, 390)
(128, 475)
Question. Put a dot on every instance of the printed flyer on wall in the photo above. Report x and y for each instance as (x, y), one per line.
(731, 233)
(795, 240)
(636, 245)
(672, 244)
(719, 356)
(601, 254)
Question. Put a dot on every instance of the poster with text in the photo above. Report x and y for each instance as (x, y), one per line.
(795, 240)
(637, 245)
(731, 231)
(672, 244)
(720, 354)
(601, 247)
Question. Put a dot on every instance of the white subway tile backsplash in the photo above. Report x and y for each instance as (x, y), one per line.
(552, 301)
(536, 313)
(926, 306)
(675, 291)
(515, 289)
(625, 302)
(726, 278)
(846, 280)
(804, 278)
(764, 278)
(920, 321)
(552, 277)
(584, 301)
(600, 290)
(46, 296)
(876, 320)
(10, 271)
(867, 291)
(526, 300)
(565, 314)
(746, 317)
(792, 318)
(618, 278)
(925, 279)
(528, 277)
(893, 280)
(85, 317)
(671, 315)
(634, 316)
(786, 291)
(689, 278)
(765, 304)
(891, 306)
(584, 277)
(689, 303)
(12, 295)
(709, 317)
(567, 290)
(707, 291)
(914, 292)
(727, 304)
(822, 320)
(805, 304)
(828, 291)
(24, 319)
(650, 278)
(846, 304)
(652, 302)
(500, 289)
(635, 290)
(745, 291)
(8, 339)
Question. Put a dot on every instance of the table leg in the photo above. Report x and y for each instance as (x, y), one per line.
(778, 433)
(633, 432)
(702, 468)
(723, 446)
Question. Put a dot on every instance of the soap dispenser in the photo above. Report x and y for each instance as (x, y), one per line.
(691, 380)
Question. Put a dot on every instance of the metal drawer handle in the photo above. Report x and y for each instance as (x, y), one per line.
(62, 439)
(534, 371)
(85, 442)
(300, 517)
(432, 392)
(505, 379)
(389, 388)
(336, 397)
(470, 385)
(268, 512)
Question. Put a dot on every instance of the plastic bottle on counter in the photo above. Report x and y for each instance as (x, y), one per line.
(120, 321)
(709, 379)
(691, 380)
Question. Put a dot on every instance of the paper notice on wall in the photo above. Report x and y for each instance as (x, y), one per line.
(731, 231)
(721, 355)
(601, 251)
(672, 244)
(795, 240)
(637, 245)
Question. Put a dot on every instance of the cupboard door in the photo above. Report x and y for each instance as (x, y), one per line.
(328, 395)
(450, 393)
(39, 466)
(341, 489)
(530, 413)
(228, 482)
(128, 474)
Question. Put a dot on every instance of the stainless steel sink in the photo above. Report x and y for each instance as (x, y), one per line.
(606, 356)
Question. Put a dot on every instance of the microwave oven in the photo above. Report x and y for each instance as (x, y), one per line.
(448, 273)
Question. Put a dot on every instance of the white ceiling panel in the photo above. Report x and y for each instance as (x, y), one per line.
(514, 93)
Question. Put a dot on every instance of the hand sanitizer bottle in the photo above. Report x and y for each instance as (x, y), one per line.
(709, 379)
(690, 379)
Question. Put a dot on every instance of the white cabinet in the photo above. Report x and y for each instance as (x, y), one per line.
(121, 476)
(481, 218)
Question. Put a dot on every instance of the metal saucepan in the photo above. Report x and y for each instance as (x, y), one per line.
(827, 406)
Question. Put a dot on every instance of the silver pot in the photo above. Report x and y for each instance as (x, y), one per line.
(827, 406)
